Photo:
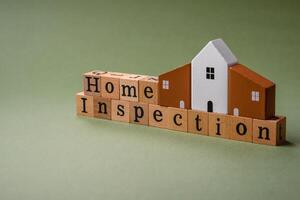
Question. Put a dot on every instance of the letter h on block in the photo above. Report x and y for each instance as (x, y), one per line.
(91, 83)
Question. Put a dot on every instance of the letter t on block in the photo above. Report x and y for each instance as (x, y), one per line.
(271, 132)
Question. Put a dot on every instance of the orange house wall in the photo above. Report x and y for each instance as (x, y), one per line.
(239, 96)
(179, 87)
(270, 99)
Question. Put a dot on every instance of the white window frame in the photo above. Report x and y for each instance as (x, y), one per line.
(255, 96)
(181, 104)
(165, 84)
(210, 73)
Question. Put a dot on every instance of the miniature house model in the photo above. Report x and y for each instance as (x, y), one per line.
(212, 95)
(215, 82)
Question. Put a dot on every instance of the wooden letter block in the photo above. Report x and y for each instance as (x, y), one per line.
(84, 104)
(91, 82)
(139, 113)
(129, 87)
(198, 122)
(218, 125)
(240, 128)
(148, 89)
(102, 108)
(120, 110)
(271, 132)
(178, 119)
(110, 85)
(158, 116)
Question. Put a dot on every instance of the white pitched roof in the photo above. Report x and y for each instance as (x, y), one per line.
(223, 50)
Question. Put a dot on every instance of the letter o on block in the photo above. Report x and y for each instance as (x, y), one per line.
(240, 128)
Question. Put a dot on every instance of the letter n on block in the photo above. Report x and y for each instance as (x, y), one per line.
(102, 107)
(240, 128)
(139, 113)
(271, 132)
(218, 125)
(178, 119)
(158, 116)
(92, 82)
(197, 122)
(84, 104)
(120, 110)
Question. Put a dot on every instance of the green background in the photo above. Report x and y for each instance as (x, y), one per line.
(46, 152)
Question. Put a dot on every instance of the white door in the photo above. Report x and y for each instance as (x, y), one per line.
(236, 112)
(181, 104)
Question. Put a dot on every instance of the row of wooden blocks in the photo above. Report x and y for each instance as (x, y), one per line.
(115, 85)
(271, 132)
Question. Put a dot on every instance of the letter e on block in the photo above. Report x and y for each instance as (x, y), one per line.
(197, 122)
(158, 116)
(178, 119)
(218, 125)
(148, 90)
(240, 128)
(139, 113)
(120, 110)
(270, 132)
(84, 104)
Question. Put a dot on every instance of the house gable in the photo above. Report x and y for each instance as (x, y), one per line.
(210, 77)
(175, 88)
(252, 76)
(250, 93)
(216, 48)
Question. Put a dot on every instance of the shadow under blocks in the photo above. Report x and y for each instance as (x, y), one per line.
(213, 95)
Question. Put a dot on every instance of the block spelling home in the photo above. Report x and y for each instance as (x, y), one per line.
(213, 95)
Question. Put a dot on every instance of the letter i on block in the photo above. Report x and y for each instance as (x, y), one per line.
(84, 104)
(148, 89)
(271, 132)
(129, 87)
(91, 82)
(218, 125)
(110, 85)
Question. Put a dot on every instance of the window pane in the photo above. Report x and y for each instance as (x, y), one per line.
(207, 69)
(212, 70)
(207, 76)
(212, 76)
